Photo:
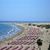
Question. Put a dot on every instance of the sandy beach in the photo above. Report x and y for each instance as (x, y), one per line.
(44, 35)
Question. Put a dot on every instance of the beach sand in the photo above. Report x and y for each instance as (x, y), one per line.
(45, 37)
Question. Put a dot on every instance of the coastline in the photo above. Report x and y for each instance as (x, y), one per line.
(45, 36)
(5, 41)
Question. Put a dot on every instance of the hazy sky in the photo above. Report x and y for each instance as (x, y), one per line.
(24, 10)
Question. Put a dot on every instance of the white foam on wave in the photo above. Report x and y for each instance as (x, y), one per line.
(13, 31)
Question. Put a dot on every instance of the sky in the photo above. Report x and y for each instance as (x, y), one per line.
(24, 10)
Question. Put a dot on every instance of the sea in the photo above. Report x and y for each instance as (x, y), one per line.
(7, 30)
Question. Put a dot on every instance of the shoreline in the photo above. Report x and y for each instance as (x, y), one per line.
(5, 41)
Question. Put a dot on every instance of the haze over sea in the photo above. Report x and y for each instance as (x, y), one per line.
(24, 10)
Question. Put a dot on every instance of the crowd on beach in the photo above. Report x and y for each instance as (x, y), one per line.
(27, 42)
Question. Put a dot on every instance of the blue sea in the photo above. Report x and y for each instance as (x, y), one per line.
(8, 30)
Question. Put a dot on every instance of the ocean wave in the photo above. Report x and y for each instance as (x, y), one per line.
(10, 33)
